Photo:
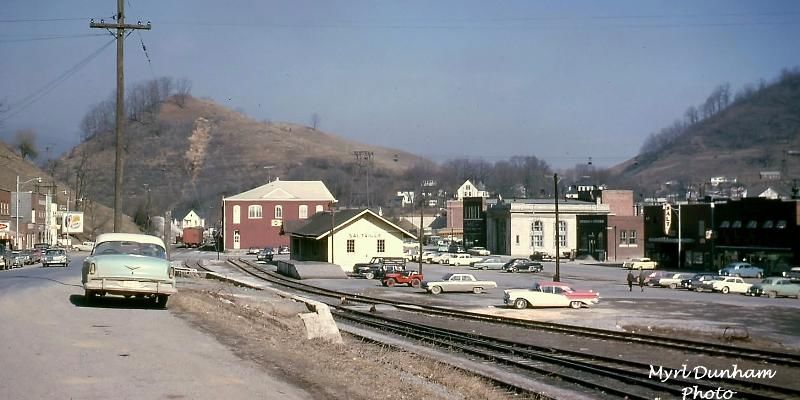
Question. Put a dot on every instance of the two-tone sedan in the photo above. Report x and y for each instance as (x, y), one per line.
(549, 294)
(128, 264)
(457, 283)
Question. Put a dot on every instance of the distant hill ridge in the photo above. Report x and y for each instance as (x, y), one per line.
(191, 154)
(758, 133)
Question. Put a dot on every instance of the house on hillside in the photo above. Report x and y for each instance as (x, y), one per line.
(192, 220)
(469, 189)
(256, 218)
(346, 237)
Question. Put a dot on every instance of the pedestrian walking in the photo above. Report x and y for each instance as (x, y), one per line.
(642, 278)
(630, 280)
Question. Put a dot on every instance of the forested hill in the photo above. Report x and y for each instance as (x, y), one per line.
(734, 135)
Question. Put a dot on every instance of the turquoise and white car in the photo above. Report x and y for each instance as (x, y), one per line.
(129, 264)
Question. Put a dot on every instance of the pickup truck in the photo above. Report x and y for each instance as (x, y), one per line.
(377, 267)
(85, 246)
(457, 283)
(643, 263)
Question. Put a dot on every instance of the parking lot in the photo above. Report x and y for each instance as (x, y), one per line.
(767, 321)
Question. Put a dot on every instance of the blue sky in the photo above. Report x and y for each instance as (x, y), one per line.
(561, 80)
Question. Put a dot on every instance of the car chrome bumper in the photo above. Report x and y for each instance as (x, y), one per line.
(115, 286)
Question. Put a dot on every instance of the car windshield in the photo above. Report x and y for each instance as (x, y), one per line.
(447, 277)
(54, 252)
(132, 248)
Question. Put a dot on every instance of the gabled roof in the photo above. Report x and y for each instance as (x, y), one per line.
(319, 225)
(287, 190)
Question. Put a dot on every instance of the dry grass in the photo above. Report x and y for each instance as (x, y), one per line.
(270, 334)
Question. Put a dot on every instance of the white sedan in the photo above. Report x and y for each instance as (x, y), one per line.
(731, 284)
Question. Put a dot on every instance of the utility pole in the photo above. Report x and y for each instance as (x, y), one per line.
(120, 26)
(557, 276)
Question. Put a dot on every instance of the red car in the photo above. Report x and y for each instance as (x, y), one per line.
(410, 278)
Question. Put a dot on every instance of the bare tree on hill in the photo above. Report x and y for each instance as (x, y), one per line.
(315, 120)
(25, 142)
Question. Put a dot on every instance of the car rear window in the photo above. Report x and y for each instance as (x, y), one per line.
(133, 248)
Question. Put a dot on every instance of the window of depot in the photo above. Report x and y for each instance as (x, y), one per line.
(381, 246)
(351, 245)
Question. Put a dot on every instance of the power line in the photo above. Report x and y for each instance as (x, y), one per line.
(47, 88)
(42, 20)
(37, 38)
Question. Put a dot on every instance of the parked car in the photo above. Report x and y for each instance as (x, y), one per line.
(522, 265)
(478, 251)
(128, 264)
(549, 294)
(708, 284)
(15, 259)
(541, 256)
(427, 255)
(636, 263)
(378, 267)
(792, 274)
(674, 281)
(27, 256)
(84, 246)
(410, 277)
(456, 248)
(439, 258)
(283, 250)
(265, 254)
(458, 283)
(55, 257)
(654, 277)
(742, 269)
(489, 263)
(461, 259)
(775, 287)
(729, 284)
(253, 250)
(3, 262)
(694, 281)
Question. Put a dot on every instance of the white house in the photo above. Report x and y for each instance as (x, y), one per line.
(468, 189)
(192, 220)
(347, 237)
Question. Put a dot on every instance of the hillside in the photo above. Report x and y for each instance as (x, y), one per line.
(190, 155)
(759, 133)
(99, 218)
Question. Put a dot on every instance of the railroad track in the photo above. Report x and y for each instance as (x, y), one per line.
(686, 345)
(608, 376)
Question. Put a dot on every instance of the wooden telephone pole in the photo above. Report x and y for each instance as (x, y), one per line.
(120, 26)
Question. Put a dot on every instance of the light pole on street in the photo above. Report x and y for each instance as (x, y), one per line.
(16, 226)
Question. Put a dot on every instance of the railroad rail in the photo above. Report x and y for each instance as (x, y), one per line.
(608, 375)
(687, 345)
(600, 373)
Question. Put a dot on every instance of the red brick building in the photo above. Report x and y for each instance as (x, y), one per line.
(625, 226)
(6, 225)
(254, 218)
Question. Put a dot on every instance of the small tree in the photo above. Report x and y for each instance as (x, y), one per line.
(25, 142)
(315, 121)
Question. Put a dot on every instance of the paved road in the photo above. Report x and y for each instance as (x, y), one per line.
(53, 346)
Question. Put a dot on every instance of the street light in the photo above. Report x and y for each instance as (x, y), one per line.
(16, 226)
